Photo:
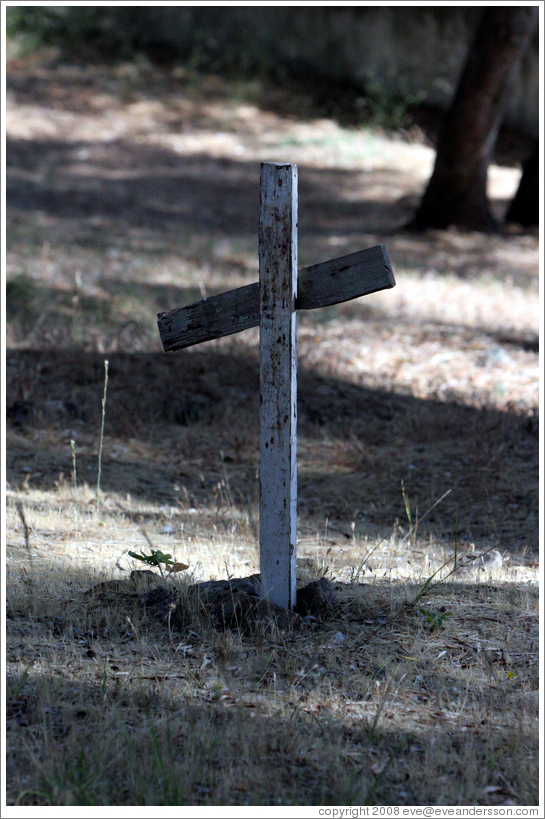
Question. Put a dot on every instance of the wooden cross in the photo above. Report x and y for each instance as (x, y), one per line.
(272, 303)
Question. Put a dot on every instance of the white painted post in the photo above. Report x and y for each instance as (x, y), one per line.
(278, 366)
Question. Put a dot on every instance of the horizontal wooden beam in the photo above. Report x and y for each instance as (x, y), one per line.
(320, 285)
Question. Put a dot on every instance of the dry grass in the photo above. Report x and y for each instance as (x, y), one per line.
(373, 707)
(132, 191)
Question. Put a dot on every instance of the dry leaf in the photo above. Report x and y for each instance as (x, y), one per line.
(178, 567)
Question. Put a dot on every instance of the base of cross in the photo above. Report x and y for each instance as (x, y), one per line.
(272, 303)
(238, 603)
(230, 604)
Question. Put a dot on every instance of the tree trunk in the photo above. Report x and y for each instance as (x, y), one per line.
(456, 193)
(524, 207)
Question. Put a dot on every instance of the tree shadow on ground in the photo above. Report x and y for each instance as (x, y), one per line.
(148, 200)
(198, 414)
(126, 195)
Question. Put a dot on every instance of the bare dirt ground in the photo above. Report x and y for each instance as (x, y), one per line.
(131, 191)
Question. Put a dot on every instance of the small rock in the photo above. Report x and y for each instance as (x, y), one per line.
(317, 598)
(157, 602)
(210, 589)
(236, 609)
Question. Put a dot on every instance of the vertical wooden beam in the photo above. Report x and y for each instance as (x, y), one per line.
(278, 374)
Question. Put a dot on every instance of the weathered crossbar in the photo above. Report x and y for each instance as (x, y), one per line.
(320, 285)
